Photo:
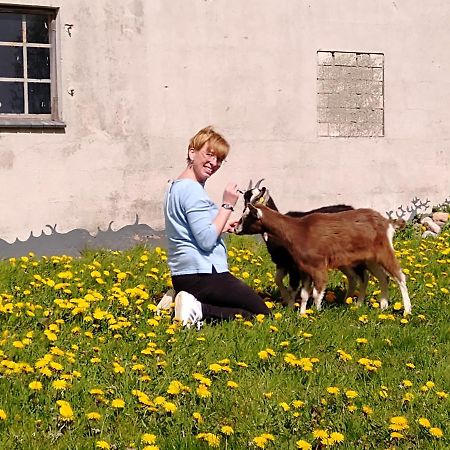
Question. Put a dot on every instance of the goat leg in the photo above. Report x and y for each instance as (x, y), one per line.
(351, 278)
(304, 295)
(286, 295)
(378, 272)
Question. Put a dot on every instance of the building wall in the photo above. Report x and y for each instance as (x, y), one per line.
(145, 75)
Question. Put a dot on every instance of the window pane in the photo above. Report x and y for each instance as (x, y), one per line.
(37, 29)
(11, 62)
(10, 27)
(11, 98)
(38, 63)
(39, 98)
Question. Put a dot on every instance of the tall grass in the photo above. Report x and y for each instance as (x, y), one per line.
(86, 363)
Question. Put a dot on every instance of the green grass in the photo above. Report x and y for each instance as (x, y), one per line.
(90, 322)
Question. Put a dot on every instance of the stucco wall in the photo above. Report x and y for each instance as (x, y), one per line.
(147, 74)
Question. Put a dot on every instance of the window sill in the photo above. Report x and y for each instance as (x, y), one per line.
(31, 124)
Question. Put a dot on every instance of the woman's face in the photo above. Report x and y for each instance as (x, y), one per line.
(204, 162)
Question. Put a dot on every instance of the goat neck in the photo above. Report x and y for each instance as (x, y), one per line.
(273, 222)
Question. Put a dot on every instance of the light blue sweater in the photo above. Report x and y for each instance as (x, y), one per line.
(192, 242)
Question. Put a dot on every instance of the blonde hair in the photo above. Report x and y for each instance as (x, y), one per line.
(217, 143)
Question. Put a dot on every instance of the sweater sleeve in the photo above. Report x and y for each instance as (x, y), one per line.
(198, 210)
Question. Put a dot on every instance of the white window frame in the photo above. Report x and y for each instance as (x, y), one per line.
(26, 120)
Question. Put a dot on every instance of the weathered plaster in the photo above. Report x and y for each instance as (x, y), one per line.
(139, 78)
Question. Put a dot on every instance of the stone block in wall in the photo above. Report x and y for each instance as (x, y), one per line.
(374, 129)
(322, 115)
(322, 100)
(377, 59)
(363, 60)
(331, 86)
(325, 58)
(333, 130)
(374, 115)
(344, 59)
(373, 101)
(337, 115)
(343, 100)
(377, 74)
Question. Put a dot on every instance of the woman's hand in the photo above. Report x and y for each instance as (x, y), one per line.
(230, 226)
(230, 194)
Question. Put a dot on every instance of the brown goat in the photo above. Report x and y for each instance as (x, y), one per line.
(281, 256)
(319, 242)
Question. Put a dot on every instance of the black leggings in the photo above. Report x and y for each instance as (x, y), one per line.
(221, 294)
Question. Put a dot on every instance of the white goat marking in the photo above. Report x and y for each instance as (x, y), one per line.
(255, 193)
(390, 235)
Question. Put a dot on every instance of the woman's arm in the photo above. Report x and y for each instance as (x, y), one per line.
(198, 213)
(230, 197)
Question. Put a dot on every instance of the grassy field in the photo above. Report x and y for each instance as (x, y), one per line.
(85, 363)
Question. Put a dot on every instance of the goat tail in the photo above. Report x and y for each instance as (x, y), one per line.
(398, 224)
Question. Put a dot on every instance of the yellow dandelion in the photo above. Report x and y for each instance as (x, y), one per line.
(94, 416)
(227, 430)
(169, 407)
(333, 390)
(197, 417)
(35, 386)
(60, 385)
(320, 434)
(260, 441)
(65, 410)
(203, 391)
(436, 432)
(337, 437)
(148, 438)
(397, 435)
(284, 406)
(118, 403)
(303, 445)
(96, 391)
(424, 422)
(351, 394)
(103, 445)
(242, 364)
(3, 415)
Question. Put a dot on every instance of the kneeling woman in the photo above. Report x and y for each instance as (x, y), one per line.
(197, 255)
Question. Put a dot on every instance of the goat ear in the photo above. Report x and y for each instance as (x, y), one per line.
(255, 212)
(265, 196)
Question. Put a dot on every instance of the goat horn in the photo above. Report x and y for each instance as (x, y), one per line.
(258, 183)
(249, 185)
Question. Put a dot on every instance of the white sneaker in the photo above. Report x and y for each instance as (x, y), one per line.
(166, 301)
(188, 310)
